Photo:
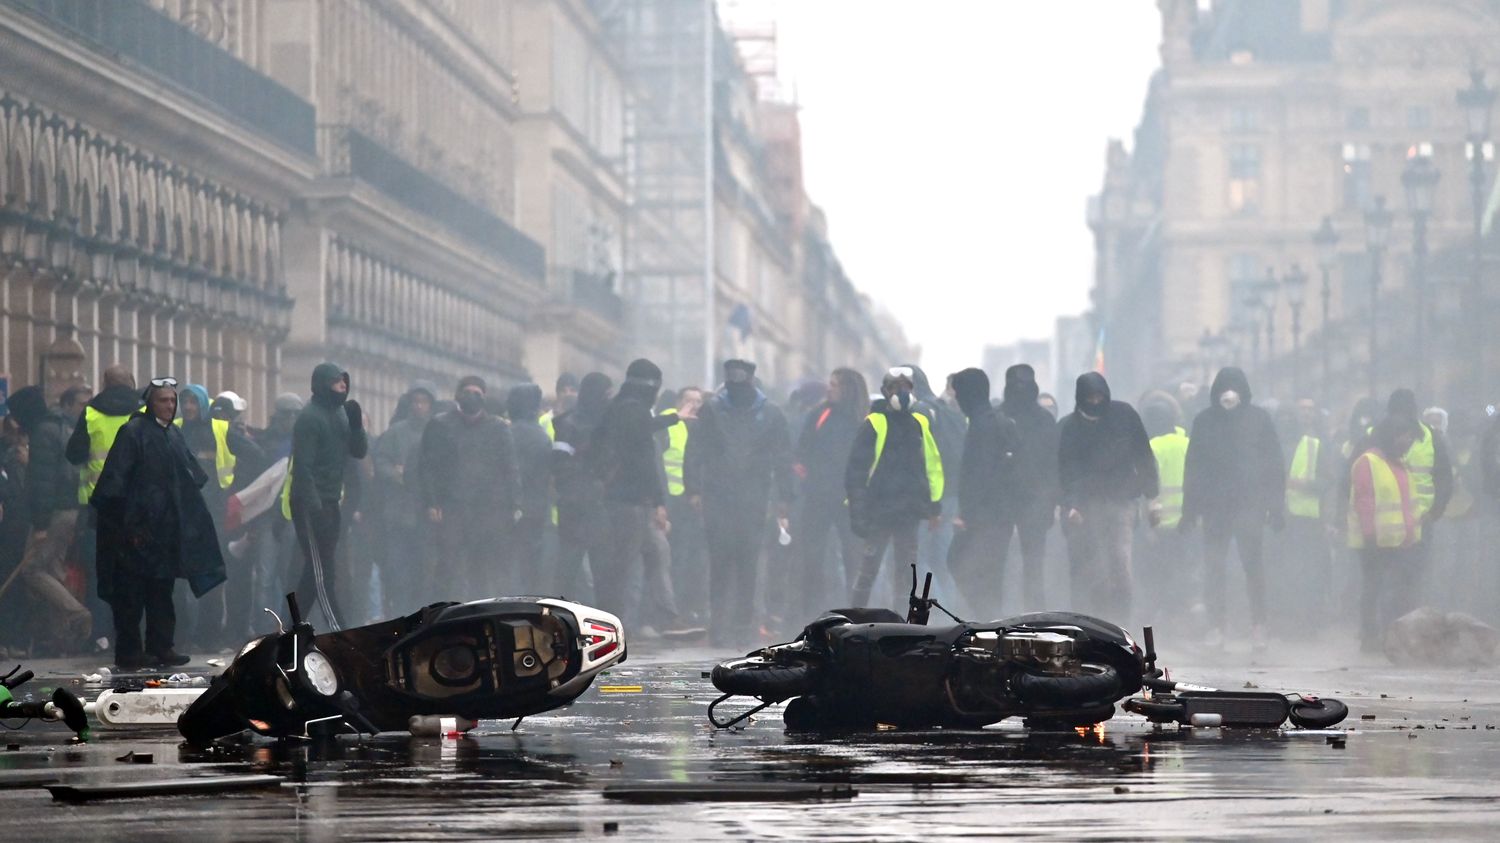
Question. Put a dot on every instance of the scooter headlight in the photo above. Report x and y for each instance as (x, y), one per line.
(320, 673)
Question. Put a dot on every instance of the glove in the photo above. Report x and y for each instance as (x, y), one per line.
(356, 415)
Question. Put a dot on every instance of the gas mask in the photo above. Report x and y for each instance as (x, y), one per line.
(1092, 412)
(1229, 399)
(900, 400)
(470, 402)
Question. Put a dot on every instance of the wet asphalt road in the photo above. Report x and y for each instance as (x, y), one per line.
(1423, 768)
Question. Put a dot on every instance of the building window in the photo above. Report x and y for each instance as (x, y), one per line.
(1244, 178)
(1357, 119)
(1243, 119)
(1358, 191)
(1245, 272)
(1419, 117)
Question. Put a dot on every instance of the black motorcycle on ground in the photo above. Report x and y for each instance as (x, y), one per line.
(855, 669)
(507, 657)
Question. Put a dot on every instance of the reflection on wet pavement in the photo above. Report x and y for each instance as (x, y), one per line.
(547, 778)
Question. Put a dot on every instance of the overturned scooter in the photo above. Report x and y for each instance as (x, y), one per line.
(854, 669)
(506, 657)
(63, 706)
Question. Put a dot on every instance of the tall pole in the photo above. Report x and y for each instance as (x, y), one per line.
(1419, 282)
(1374, 318)
(1327, 295)
(1476, 280)
(1270, 348)
(710, 310)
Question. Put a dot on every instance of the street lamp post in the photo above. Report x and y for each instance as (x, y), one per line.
(1377, 233)
(1477, 101)
(1327, 241)
(1265, 296)
(1295, 283)
(1419, 180)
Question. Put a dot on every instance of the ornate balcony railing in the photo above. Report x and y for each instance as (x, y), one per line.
(139, 36)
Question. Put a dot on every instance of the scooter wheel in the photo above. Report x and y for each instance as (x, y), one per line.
(1318, 714)
(756, 677)
(1156, 712)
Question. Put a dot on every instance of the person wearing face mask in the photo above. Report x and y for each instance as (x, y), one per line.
(1030, 491)
(822, 455)
(582, 524)
(1234, 482)
(633, 577)
(1384, 528)
(471, 490)
(328, 433)
(985, 473)
(154, 528)
(1104, 464)
(894, 480)
(737, 459)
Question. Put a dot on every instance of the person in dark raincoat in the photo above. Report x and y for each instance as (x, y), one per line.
(523, 406)
(472, 490)
(153, 529)
(1235, 483)
(1029, 496)
(1105, 465)
(980, 530)
(582, 525)
(737, 460)
(822, 456)
(406, 553)
(329, 432)
(935, 537)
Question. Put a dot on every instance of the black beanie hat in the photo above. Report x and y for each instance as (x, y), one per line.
(645, 371)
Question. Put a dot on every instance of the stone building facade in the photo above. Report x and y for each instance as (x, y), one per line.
(1265, 117)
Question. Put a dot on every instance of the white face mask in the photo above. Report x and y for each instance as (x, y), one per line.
(1229, 399)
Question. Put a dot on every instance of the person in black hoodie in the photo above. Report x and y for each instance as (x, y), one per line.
(935, 538)
(1104, 464)
(625, 455)
(154, 527)
(472, 491)
(1029, 498)
(523, 406)
(737, 459)
(1234, 481)
(822, 456)
(52, 502)
(582, 526)
(983, 477)
(894, 480)
(329, 432)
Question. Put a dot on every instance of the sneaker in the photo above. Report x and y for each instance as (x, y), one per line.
(171, 658)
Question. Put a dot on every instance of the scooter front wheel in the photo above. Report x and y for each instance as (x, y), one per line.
(1317, 713)
(758, 677)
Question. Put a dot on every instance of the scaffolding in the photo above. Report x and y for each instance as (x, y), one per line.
(664, 46)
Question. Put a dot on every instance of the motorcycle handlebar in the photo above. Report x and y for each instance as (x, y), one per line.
(292, 609)
(17, 680)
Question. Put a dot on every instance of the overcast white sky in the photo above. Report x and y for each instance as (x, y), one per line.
(954, 144)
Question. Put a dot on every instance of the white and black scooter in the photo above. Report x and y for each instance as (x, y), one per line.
(501, 658)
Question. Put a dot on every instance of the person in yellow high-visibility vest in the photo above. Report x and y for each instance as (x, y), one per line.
(1311, 477)
(1384, 527)
(689, 553)
(894, 480)
(93, 435)
(1166, 567)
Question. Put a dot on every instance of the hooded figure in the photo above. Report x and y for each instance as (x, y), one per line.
(472, 489)
(1235, 483)
(153, 528)
(984, 473)
(1105, 463)
(1030, 489)
(523, 406)
(51, 493)
(581, 522)
(935, 539)
(625, 454)
(738, 458)
(822, 455)
(329, 432)
(397, 491)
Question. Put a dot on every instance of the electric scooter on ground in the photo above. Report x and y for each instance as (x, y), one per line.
(63, 706)
(506, 657)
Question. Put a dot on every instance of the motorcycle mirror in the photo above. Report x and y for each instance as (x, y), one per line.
(280, 627)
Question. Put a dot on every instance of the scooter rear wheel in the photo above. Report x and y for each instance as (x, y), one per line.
(757, 677)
